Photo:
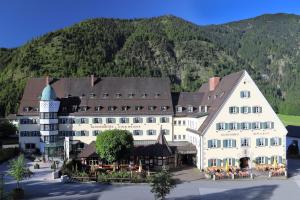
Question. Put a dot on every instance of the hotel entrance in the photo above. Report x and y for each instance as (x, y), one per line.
(244, 162)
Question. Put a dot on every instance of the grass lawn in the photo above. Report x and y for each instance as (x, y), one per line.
(290, 119)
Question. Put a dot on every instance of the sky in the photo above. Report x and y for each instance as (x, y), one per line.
(23, 20)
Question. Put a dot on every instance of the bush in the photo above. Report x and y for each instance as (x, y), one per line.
(6, 154)
(122, 176)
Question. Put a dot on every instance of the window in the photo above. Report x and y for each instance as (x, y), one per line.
(105, 95)
(231, 161)
(179, 109)
(269, 125)
(261, 160)
(98, 108)
(175, 137)
(151, 108)
(175, 122)
(151, 132)
(30, 134)
(130, 95)
(257, 109)
(214, 162)
(49, 127)
(255, 125)
(81, 133)
(26, 109)
(183, 122)
(97, 120)
(151, 120)
(163, 108)
(183, 137)
(137, 132)
(261, 142)
(275, 141)
(63, 120)
(165, 131)
(179, 137)
(138, 107)
(179, 122)
(245, 94)
(164, 120)
(190, 109)
(229, 143)
(137, 120)
(118, 95)
(110, 120)
(48, 115)
(245, 125)
(84, 120)
(111, 108)
(83, 108)
(92, 95)
(245, 109)
(233, 126)
(245, 142)
(124, 120)
(125, 108)
(233, 110)
(96, 132)
(214, 143)
(157, 95)
(144, 95)
(29, 146)
(222, 126)
(277, 158)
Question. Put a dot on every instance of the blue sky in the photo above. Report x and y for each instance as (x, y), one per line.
(22, 20)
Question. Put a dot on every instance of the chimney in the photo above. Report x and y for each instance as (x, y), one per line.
(92, 80)
(47, 80)
(213, 83)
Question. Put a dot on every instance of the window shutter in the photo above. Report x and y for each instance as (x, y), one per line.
(209, 163)
(218, 126)
(260, 109)
(218, 162)
(248, 94)
(272, 159)
(238, 126)
(241, 94)
(233, 161)
(266, 160)
(230, 110)
(209, 143)
(279, 159)
(242, 109)
(224, 162)
(272, 124)
(256, 159)
(249, 109)
(257, 142)
(224, 143)
(160, 120)
(237, 109)
(218, 143)
(167, 119)
(266, 141)
(250, 125)
(253, 125)
(226, 126)
(233, 143)
(77, 121)
(253, 109)
(272, 142)
(230, 126)
(280, 141)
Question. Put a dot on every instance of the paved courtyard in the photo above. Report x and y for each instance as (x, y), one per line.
(199, 189)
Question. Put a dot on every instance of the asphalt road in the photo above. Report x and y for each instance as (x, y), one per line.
(202, 189)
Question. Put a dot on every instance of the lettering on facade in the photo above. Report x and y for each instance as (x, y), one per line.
(108, 126)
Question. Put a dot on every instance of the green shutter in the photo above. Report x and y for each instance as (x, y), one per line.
(279, 159)
(280, 141)
(237, 109)
(230, 110)
(272, 124)
(218, 162)
(233, 161)
(226, 126)
(272, 159)
(238, 126)
(266, 160)
(272, 141)
(209, 143)
(249, 109)
(266, 141)
(233, 143)
(224, 143)
(218, 126)
(224, 162)
(242, 109)
(257, 142)
(209, 163)
(218, 143)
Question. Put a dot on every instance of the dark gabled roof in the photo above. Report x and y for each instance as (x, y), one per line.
(293, 131)
(219, 96)
(89, 151)
(108, 91)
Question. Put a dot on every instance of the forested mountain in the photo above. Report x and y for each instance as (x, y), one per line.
(267, 46)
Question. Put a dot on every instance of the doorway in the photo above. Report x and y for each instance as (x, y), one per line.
(244, 162)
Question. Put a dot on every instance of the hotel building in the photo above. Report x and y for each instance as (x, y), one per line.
(226, 119)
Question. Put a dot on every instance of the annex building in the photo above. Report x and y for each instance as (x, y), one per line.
(227, 119)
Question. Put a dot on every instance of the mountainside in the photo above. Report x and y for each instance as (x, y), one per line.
(267, 46)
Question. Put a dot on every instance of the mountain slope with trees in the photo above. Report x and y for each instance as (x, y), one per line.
(267, 46)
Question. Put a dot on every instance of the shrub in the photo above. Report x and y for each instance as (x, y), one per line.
(6, 154)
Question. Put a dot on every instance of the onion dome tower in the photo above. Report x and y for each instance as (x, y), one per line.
(49, 106)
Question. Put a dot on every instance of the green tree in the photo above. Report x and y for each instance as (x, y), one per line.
(114, 145)
(17, 169)
(7, 129)
(162, 183)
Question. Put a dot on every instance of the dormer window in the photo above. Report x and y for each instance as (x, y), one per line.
(190, 109)
(74, 108)
(105, 95)
(112, 108)
(138, 107)
(92, 95)
(163, 108)
(64, 108)
(124, 108)
(82, 96)
(118, 95)
(157, 95)
(151, 108)
(36, 109)
(179, 109)
(98, 108)
(144, 95)
(208, 97)
(26, 109)
(130, 95)
(83, 108)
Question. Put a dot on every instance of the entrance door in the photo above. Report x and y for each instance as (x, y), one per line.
(244, 162)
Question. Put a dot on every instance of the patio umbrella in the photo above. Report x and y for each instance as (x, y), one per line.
(275, 164)
(227, 166)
